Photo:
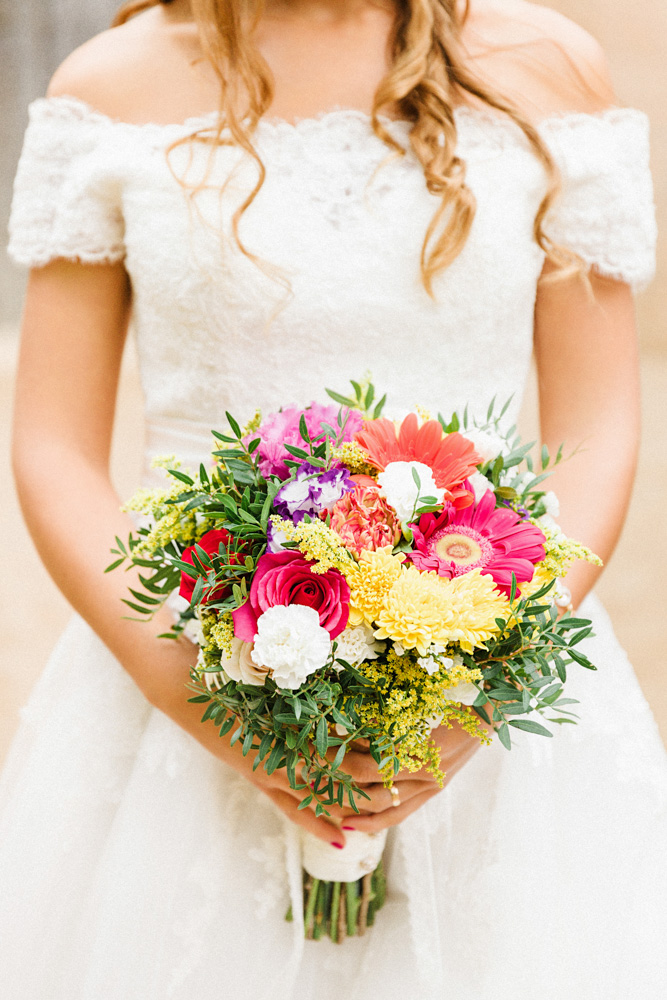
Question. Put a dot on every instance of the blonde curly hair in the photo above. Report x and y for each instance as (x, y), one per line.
(427, 72)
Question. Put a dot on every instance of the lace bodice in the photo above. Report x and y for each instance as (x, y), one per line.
(337, 233)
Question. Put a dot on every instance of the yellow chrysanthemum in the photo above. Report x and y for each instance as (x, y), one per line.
(374, 576)
(423, 608)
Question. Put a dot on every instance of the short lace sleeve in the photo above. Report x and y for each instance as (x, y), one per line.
(66, 196)
(605, 211)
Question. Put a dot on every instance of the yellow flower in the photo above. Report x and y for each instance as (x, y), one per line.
(354, 458)
(317, 542)
(423, 608)
(561, 553)
(374, 576)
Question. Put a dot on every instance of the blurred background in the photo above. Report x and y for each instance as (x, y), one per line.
(34, 38)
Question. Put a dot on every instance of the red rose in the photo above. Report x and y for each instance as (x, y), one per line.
(210, 543)
(287, 578)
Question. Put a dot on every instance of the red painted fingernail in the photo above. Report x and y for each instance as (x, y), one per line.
(334, 844)
(348, 828)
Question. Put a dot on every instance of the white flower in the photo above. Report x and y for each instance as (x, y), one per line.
(547, 521)
(487, 445)
(398, 649)
(291, 643)
(356, 644)
(241, 667)
(400, 489)
(464, 693)
(194, 631)
(480, 485)
(551, 504)
(434, 659)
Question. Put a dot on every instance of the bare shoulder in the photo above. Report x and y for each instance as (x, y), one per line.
(538, 57)
(131, 72)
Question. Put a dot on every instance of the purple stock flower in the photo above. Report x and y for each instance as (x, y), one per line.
(311, 491)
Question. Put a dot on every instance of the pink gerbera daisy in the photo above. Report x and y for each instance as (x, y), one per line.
(495, 540)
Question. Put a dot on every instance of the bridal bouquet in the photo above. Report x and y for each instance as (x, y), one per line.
(352, 582)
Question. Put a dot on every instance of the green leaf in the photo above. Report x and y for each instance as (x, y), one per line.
(322, 737)
(303, 428)
(504, 736)
(337, 398)
(377, 412)
(274, 758)
(115, 565)
(297, 452)
(528, 726)
(338, 759)
(181, 476)
(370, 396)
(234, 426)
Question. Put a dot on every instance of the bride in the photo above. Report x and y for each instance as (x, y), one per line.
(283, 196)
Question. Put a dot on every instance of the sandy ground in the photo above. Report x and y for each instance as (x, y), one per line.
(633, 586)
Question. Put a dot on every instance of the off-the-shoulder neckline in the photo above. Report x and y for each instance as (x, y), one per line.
(81, 109)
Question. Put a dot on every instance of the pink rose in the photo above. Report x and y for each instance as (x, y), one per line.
(283, 578)
(363, 519)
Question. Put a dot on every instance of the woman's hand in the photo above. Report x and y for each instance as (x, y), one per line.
(414, 787)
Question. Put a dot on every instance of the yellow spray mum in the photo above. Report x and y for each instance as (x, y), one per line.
(375, 574)
(423, 608)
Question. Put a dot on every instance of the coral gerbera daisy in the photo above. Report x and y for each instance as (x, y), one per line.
(451, 457)
(495, 540)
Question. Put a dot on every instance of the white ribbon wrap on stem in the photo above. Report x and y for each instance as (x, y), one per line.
(360, 856)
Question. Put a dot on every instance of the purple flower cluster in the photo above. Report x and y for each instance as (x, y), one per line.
(311, 491)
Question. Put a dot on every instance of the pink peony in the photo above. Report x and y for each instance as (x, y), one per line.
(282, 428)
(496, 540)
(364, 520)
(284, 578)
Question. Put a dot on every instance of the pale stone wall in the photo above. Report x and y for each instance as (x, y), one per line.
(35, 36)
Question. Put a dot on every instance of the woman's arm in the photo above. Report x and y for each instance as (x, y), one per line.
(588, 380)
(74, 328)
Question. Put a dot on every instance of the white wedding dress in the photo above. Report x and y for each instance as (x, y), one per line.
(135, 866)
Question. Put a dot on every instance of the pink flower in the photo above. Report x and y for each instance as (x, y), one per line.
(284, 578)
(282, 428)
(364, 520)
(496, 540)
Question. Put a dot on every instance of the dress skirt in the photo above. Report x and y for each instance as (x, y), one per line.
(135, 866)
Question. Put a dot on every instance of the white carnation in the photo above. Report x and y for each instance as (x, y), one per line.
(487, 445)
(480, 485)
(400, 489)
(357, 643)
(291, 643)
